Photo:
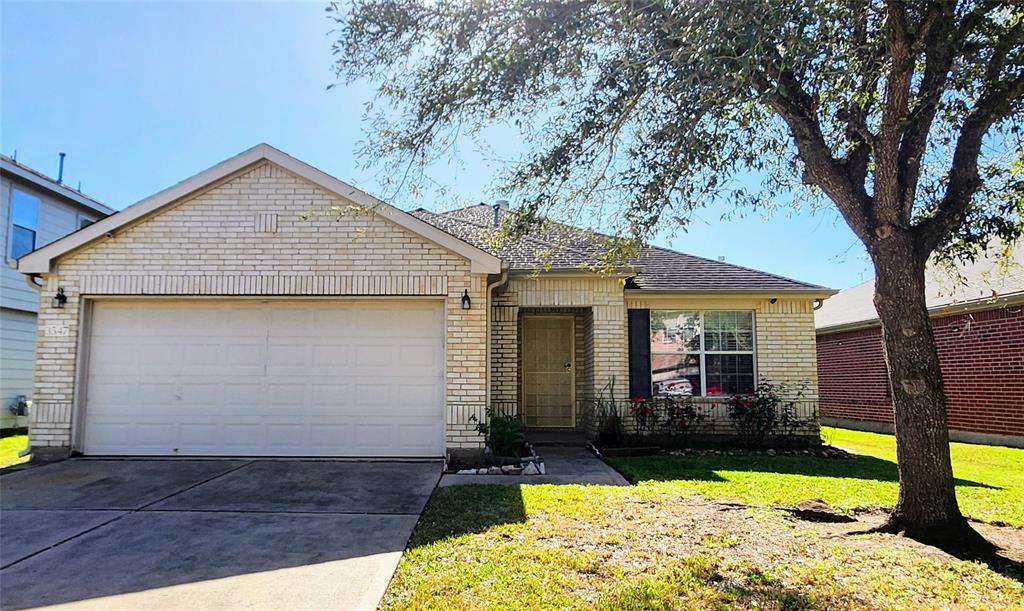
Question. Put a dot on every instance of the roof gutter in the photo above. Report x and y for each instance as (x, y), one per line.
(821, 293)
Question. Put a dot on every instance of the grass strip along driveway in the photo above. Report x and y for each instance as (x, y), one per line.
(9, 449)
(701, 531)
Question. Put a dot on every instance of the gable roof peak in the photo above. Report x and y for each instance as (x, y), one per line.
(39, 261)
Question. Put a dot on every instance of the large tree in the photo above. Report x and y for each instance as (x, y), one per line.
(905, 115)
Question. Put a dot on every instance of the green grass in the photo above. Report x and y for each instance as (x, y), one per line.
(660, 545)
(995, 466)
(649, 547)
(990, 480)
(9, 448)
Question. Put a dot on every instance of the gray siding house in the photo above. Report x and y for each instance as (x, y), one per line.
(36, 210)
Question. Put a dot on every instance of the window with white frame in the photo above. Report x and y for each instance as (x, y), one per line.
(702, 353)
(24, 223)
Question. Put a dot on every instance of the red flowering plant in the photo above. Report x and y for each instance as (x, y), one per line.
(681, 416)
(665, 415)
(644, 414)
(769, 409)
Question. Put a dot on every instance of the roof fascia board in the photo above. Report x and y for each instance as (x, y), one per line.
(55, 188)
(39, 261)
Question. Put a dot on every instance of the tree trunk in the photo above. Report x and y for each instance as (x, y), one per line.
(927, 509)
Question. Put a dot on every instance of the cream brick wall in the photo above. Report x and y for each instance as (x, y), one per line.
(247, 236)
(786, 348)
(505, 349)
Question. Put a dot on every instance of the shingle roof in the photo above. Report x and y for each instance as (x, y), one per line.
(983, 284)
(561, 247)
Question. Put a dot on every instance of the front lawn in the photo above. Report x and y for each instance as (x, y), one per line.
(656, 547)
(706, 532)
(9, 448)
(990, 480)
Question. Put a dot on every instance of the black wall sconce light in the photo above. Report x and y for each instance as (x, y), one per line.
(466, 301)
(59, 299)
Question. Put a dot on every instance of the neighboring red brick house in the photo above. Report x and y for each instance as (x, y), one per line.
(979, 329)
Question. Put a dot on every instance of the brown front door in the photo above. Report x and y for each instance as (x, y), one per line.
(548, 371)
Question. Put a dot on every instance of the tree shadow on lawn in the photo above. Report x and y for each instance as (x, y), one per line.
(996, 561)
(462, 510)
(668, 468)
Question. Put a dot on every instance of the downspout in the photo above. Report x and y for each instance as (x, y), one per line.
(487, 368)
(30, 279)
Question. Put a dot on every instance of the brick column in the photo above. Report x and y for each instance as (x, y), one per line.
(611, 351)
(54, 390)
(466, 383)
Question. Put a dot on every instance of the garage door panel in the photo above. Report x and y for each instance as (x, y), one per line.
(368, 358)
(333, 323)
(288, 355)
(328, 395)
(325, 437)
(200, 394)
(242, 394)
(331, 353)
(287, 438)
(266, 378)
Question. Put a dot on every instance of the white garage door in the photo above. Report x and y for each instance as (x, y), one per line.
(282, 378)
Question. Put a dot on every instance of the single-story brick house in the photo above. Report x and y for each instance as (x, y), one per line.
(263, 307)
(978, 320)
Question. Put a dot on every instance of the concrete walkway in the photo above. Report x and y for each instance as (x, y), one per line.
(564, 465)
(207, 534)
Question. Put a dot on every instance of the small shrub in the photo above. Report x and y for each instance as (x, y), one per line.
(503, 434)
(609, 422)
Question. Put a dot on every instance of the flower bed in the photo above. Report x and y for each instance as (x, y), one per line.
(531, 464)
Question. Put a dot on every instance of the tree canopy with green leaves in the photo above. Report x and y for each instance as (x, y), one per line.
(903, 114)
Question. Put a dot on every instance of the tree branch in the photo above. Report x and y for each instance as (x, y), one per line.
(789, 100)
(857, 131)
(939, 49)
(888, 208)
(964, 179)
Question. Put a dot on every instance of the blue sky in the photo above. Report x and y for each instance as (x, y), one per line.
(142, 95)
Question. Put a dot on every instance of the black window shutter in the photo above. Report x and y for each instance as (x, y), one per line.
(639, 353)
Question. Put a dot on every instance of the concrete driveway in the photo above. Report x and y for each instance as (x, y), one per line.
(207, 534)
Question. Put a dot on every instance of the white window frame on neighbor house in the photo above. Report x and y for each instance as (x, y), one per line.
(11, 222)
(702, 352)
(84, 221)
